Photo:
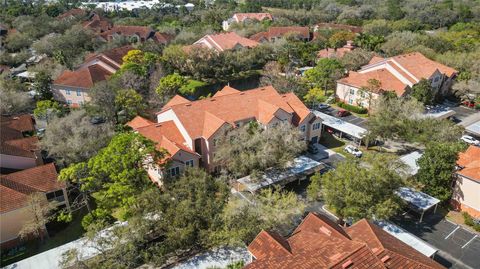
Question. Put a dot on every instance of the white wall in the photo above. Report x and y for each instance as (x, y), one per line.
(170, 115)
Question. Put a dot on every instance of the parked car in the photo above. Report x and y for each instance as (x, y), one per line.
(469, 104)
(454, 119)
(343, 113)
(312, 149)
(323, 106)
(470, 140)
(353, 150)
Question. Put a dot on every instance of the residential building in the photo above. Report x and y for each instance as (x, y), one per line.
(319, 242)
(336, 52)
(396, 74)
(72, 13)
(167, 137)
(466, 191)
(14, 191)
(18, 148)
(245, 17)
(72, 87)
(135, 34)
(97, 24)
(201, 123)
(222, 42)
(275, 33)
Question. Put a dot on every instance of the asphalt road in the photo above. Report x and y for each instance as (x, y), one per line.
(350, 118)
(458, 248)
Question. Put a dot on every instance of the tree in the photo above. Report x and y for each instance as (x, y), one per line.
(436, 167)
(129, 103)
(272, 75)
(74, 138)
(340, 38)
(138, 62)
(378, 28)
(170, 85)
(13, 97)
(249, 148)
(325, 74)
(369, 42)
(358, 191)
(41, 85)
(39, 211)
(314, 96)
(116, 175)
(373, 87)
(423, 91)
(47, 109)
(356, 59)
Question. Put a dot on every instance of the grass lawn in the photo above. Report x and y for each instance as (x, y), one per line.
(57, 238)
(192, 86)
(331, 142)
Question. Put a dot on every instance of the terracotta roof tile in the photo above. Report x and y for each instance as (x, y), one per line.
(42, 178)
(115, 55)
(320, 243)
(388, 81)
(233, 107)
(301, 111)
(470, 161)
(72, 13)
(225, 41)
(11, 199)
(139, 122)
(337, 53)
(420, 66)
(176, 100)
(84, 77)
(226, 90)
(97, 24)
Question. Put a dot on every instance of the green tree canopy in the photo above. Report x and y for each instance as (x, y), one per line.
(325, 74)
(423, 92)
(41, 85)
(170, 85)
(47, 109)
(436, 167)
(129, 103)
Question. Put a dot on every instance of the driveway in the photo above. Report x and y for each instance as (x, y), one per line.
(465, 115)
(350, 118)
(458, 247)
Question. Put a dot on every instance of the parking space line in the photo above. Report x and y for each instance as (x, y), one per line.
(458, 227)
(473, 238)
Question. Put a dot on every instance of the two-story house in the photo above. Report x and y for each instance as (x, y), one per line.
(275, 33)
(72, 87)
(245, 17)
(466, 191)
(222, 42)
(396, 74)
(201, 123)
(14, 191)
(18, 146)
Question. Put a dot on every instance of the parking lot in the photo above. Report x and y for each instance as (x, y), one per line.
(350, 118)
(458, 247)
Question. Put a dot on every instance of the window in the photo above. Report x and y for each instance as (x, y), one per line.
(352, 91)
(174, 171)
(189, 163)
(56, 195)
(350, 101)
(302, 128)
(79, 93)
(69, 102)
(363, 94)
(67, 91)
(237, 124)
(436, 79)
(316, 126)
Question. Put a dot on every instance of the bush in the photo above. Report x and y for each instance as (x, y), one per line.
(355, 109)
(470, 222)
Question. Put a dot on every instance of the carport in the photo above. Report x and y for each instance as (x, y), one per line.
(418, 200)
(474, 128)
(356, 132)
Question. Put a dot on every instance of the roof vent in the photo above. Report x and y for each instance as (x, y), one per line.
(262, 89)
(325, 230)
(242, 93)
(188, 104)
(158, 125)
(211, 100)
(385, 259)
(16, 118)
(347, 264)
(375, 250)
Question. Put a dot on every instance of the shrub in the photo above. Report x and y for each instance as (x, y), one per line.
(470, 222)
(355, 109)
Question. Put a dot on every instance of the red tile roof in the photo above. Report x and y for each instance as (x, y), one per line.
(12, 141)
(229, 107)
(97, 24)
(225, 41)
(337, 53)
(277, 32)
(389, 82)
(139, 122)
(176, 100)
(320, 243)
(470, 163)
(240, 17)
(72, 13)
(115, 55)
(84, 77)
(20, 184)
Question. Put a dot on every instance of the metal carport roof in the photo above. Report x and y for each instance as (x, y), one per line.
(341, 125)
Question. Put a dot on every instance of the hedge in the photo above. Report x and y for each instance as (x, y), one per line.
(469, 221)
(355, 109)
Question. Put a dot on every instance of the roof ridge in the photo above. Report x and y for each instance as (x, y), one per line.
(360, 246)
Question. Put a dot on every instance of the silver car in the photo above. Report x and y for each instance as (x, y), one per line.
(353, 150)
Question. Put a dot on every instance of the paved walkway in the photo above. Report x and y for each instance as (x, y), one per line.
(218, 258)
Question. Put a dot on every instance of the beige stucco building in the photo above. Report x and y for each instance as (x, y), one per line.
(466, 191)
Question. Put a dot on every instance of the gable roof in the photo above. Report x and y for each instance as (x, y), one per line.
(240, 17)
(72, 13)
(97, 24)
(276, 32)
(177, 100)
(320, 243)
(115, 55)
(469, 161)
(388, 81)
(337, 53)
(225, 41)
(12, 141)
(128, 30)
(139, 122)
(20, 184)
(226, 90)
(230, 106)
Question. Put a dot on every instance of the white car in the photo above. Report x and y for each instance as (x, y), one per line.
(470, 140)
(353, 150)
